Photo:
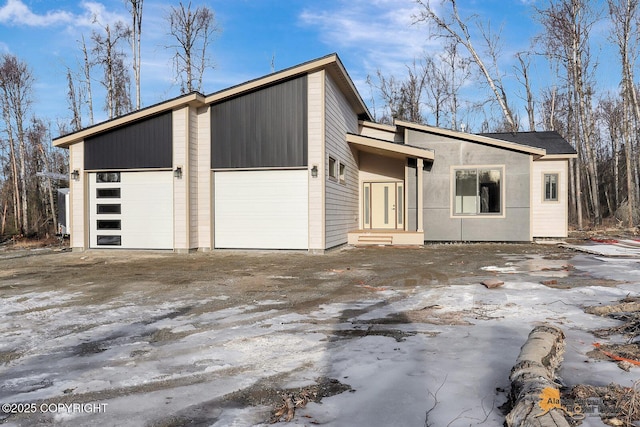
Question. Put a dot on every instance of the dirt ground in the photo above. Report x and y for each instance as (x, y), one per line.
(300, 282)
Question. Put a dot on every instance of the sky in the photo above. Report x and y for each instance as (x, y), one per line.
(255, 35)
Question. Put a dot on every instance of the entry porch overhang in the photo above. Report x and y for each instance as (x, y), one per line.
(388, 149)
(409, 161)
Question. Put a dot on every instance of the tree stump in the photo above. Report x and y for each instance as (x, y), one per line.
(533, 390)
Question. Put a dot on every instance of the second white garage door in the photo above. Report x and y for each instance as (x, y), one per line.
(261, 209)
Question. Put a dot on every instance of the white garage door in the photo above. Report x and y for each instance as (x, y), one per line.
(131, 210)
(261, 209)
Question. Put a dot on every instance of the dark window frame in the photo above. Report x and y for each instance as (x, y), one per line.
(101, 224)
(101, 207)
(108, 240)
(102, 193)
(107, 177)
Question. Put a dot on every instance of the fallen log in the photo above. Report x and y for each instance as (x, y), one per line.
(535, 398)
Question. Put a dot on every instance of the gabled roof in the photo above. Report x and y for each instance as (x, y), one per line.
(330, 63)
(550, 141)
(495, 142)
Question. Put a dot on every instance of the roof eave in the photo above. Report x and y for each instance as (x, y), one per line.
(331, 62)
(390, 149)
(194, 99)
(473, 138)
(564, 156)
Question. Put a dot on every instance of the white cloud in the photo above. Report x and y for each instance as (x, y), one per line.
(381, 31)
(17, 13)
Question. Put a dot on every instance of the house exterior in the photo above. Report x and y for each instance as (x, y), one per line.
(293, 160)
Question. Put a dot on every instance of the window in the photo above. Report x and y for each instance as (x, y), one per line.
(478, 191)
(332, 168)
(550, 187)
(108, 209)
(342, 173)
(107, 193)
(108, 177)
(109, 240)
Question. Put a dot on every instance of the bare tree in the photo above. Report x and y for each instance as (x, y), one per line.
(192, 31)
(16, 83)
(403, 98)
(116, 79)
(390, 89)
(436, 89)
(457, 71)
(135, 7)
(455, 28)
(75, 102)
(525, 79)
(624, 17)
(87, 80)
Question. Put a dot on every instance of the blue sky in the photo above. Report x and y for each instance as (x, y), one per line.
(367, 34)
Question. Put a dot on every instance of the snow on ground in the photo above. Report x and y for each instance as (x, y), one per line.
(430, 355)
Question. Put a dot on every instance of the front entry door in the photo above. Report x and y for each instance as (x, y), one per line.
(386, 205)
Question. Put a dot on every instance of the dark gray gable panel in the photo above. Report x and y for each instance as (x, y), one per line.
(140, 145)
(265, 128)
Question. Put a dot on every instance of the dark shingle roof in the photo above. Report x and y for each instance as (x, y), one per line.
(548, 140)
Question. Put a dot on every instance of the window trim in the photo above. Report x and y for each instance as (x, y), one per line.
(544, 187)
(452, 192)
(342, 173)
(333, 172)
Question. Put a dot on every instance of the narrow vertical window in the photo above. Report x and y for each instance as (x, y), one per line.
(367, 204)
(400, 213)
(342, 172)
(550, 187)
(386, 205)
(332, 168)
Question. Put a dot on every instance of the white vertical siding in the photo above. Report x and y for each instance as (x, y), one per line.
(341, 200)
(315, 106)
(549, 219)
(78, 194)
(203, 191)
(180, 186)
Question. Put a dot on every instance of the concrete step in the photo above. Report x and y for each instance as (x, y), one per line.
(375, 239)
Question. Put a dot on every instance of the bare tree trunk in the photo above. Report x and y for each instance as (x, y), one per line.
(47, 166)
(533, 379)
(87, 80)
(530, 106)
(74, 103)
(136, 26)
(4, 218)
